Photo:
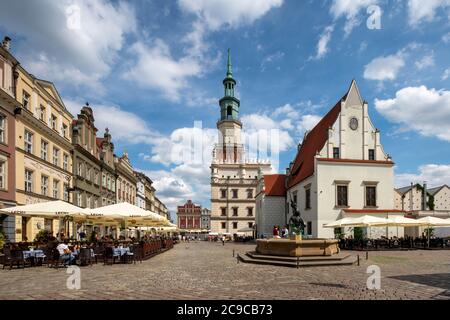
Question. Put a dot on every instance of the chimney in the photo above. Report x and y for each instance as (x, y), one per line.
(6, 43)
(424, 197)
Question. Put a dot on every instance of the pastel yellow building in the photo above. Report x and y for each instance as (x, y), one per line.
(43, 151)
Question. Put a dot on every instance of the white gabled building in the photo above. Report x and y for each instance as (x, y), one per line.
(341, 170)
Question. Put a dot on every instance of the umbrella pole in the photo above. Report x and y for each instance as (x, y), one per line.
(428, 232)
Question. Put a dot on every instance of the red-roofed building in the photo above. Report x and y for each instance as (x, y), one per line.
(341, 169)
(270, 204)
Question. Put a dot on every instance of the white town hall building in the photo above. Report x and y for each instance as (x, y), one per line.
(340, 170)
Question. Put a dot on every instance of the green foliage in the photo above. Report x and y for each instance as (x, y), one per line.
(358, 233)
(43, 236)
(2, 240)
(430, 231)
(338, 234)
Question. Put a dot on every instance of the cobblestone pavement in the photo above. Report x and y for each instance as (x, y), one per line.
(205, 270)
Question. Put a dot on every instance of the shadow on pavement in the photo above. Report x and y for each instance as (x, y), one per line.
(437, 280)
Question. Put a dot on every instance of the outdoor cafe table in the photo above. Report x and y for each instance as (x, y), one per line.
(121, 251)
(32, 255)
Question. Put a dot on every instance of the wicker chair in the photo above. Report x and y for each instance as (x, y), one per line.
(13, 257)
(85, 257)
(109, 255)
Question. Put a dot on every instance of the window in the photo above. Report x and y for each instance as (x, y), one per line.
(250, 224)
(371, 196)
(249, 211)
(308, 199)
(95, 176)
(64, 130)
(223, 211)
(28, 141)
(80, 169)
(235, 225)
(66, 192)
(3, 175)
(54, 122)
(223, 193)
(44, 150)
(2, 129)
(223, 225)
(342, 196)
(104, 180)
(66, 162)
(56, 189)
(26, 100)
(371, 154)
(336, 153)
(42, 113)
(309, 227)
(249, 194)
(108, 182)
(78, 197)
(28, 181)
(235, 212)
(235, 193)
(55, 156)
(44, 185)
(89, 173)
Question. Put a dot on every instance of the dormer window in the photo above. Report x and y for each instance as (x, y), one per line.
(371, 154)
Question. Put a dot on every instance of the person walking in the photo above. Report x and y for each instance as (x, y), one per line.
(223, 240)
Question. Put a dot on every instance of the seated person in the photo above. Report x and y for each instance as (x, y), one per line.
(65, 253)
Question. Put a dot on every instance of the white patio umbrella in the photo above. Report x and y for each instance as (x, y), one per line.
(363, 221)
(400, 221)
(245, 230)
(130, 214)
(338, 223)
(51, 209)
(433, 222)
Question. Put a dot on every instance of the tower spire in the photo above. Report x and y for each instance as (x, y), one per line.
(229, 65)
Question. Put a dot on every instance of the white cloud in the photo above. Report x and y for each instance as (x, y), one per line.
(322, 45)
(424, 110)
(350, 9)
(420, 11)
(446, 74)
(434, 174)
(74, 56)
(384, 68)
(233, 13)
(156, 68)
(272, 58)
(425, 62)
(124, 126)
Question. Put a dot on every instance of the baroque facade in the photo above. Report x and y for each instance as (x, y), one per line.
(86, 160)
(189, 216)
(126, 180)
(233, 178)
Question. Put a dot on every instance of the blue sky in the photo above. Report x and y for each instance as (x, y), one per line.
(150, 68)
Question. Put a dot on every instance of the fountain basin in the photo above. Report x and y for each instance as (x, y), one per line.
(297, 247)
